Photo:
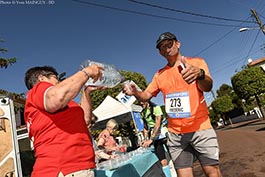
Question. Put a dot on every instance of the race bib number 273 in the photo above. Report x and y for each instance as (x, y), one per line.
(177, 105)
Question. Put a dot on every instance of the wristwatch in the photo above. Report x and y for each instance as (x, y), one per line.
(202, 75)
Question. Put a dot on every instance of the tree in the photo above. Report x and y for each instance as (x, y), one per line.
(249, 83)
(5, 62)
(222, 105)
(214, 117)
(20, 98)
(224, 90)
(228, 90)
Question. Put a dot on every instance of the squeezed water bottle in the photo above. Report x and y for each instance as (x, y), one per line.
(110, 75)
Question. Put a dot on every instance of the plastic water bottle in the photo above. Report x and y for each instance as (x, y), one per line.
(110, 75)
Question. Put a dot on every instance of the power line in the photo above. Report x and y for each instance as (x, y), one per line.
(170, 18)
(262, 16)
(215, 42)
(253, 44)
(230, 63)
(222, 37)
(225, 66)
(152, 15)
(261, 6)
(255, 15)
(218, 40)
(189, 13)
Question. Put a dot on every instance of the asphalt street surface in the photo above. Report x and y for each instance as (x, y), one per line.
(242, 150)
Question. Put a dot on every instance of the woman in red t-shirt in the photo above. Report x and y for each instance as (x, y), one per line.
(57, 125)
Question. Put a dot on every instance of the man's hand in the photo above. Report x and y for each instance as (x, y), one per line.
(129, 89)
(190, 73)
(147, 143)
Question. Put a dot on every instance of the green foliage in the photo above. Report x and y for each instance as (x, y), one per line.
(262, 97)
(227, 90)
(15, 97)
(213, 116)
(5, 62)
(249, 82)
(224, 90)
(3, 50)
(12, 95)
(95, 133)
(223, 105)
(125, 130)
(138, 78)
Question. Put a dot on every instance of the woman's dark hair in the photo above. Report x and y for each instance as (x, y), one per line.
(31, 76)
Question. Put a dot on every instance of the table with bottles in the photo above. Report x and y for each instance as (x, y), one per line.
(132, 164)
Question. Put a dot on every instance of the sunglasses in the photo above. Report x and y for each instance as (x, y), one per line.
(61, 76)
(166, 45)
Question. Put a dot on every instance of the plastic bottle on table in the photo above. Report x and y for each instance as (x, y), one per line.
(110, 75)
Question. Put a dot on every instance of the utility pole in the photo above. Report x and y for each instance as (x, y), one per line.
(258, 20)
(213, 95)
(263, 30)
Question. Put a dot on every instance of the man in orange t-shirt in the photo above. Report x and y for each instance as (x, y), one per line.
(182, 82)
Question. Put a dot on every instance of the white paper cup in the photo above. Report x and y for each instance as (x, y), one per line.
(126, 84)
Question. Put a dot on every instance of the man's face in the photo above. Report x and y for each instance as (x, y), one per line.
(169, 48)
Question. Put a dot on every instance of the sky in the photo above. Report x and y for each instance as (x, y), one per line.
(64, 33)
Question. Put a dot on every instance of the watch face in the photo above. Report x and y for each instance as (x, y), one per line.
(202, 75)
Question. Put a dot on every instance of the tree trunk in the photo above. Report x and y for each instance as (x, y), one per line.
(231, 123)
(260, 106)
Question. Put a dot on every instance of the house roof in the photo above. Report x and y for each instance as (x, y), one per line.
(256, 62)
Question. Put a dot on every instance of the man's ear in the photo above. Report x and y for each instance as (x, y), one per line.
(41, 78)
(178, 44)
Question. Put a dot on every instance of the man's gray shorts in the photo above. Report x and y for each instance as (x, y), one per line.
(186, 148)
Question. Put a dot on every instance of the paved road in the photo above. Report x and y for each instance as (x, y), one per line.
(242, 150)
